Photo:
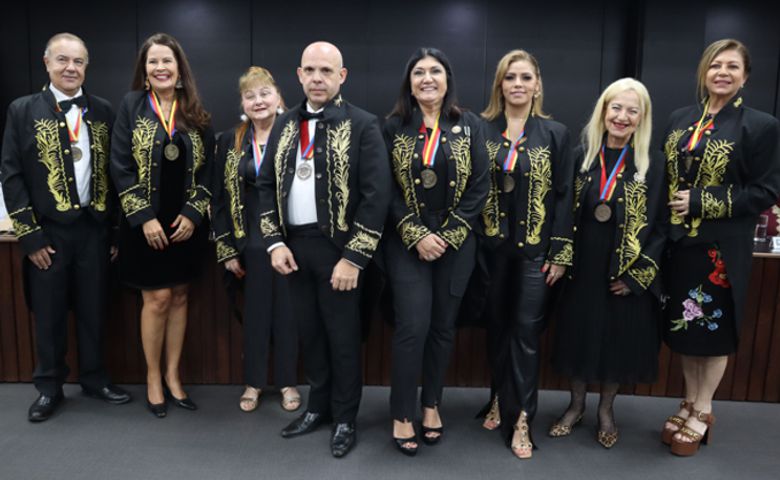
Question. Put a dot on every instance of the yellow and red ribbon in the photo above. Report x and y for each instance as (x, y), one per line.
(258, 154)
(73, 134)
(607, 185)
(701, 127)
(511, 156)
(307, 144)
(431, 145)
(170, 124)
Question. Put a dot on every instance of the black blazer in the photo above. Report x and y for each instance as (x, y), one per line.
(136, 159)
(639, 214)
(229, 218)
(542, 199)
(462, 142)
(735, 175)
(36, 169)
(352, 178)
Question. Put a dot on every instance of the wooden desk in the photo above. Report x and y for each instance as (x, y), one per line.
(212, 352)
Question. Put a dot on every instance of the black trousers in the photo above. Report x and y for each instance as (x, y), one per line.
(77, 277)
(328, 326)
(516, 317)
(267, 314)
(425, 313)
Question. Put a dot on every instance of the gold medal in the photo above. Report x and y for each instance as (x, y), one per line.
(509, 183)
(456, 129)
(303, 171)
(77, 153)
(602, 212)
(429, 178)
(171, 152)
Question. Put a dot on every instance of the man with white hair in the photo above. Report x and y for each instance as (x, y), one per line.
(54, 175)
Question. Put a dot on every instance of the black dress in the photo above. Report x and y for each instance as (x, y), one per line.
(142, 267)
(733, 174)
(599, 336)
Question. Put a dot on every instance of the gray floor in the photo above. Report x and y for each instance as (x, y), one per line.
(88, 439)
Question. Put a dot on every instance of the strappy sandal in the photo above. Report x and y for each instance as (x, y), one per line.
(676, 420)
(690, 440)
(493, 416)
(559, 429)
(290, 403)
(248, 403)
(523, 448)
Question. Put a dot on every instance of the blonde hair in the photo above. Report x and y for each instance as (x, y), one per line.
(254, 76)
(593, 133)
(708, 56)
(496, 105)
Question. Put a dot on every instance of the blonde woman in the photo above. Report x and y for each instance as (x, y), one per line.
(607, 329)
(267, 310)
(527, 223)
(723, 169)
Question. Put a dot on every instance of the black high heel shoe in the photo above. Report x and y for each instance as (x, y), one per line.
(400, 444)
(434, 439)
(185, 403)
(159, 410)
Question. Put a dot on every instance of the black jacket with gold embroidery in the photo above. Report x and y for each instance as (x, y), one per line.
(639, 216)
(462, 142)
(136, 157)
(541, 201)
(229, 218)
(734, 175)
(352, 181)
(36, 170)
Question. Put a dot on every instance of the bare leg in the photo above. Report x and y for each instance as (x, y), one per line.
(690, 368)
(431, 419)
(154, 316)
(404, 429)
(711, 370)
(174, 339)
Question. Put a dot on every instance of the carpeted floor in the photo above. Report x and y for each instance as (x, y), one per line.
(88, 439)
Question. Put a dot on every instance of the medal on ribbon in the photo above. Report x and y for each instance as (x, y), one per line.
(511, 160)
(430, 147)
(304, 170)
(171, 151)
(603, 212)
(73, 135)
(700, 129)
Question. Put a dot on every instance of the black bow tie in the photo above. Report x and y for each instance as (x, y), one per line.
(307, 115)
(80, 101)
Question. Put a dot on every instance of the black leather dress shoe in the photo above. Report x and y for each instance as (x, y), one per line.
(159, 410)
(185, 403)
(343, 439)
(306, 423)
(109, 393)
(44, 406)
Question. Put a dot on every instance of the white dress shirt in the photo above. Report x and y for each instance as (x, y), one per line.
(302, 199)
(83, 168)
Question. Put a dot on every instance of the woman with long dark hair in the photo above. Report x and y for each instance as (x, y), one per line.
(441, 182)
(162, 152)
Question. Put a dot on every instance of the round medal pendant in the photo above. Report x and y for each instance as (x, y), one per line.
(428, 178)
(509, 183)
(171, 152)
(602, 212)
(303, 171)
(77, 153)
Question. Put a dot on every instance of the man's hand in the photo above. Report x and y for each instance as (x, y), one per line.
(345, 276)
(42, 257)
(234, 266)
(431, 247)
(282, 260)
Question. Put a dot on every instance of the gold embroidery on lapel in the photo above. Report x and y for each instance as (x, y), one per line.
(710, 174)
(199, 194)
(491, 211)
(338, 169)
(461, 151)
(141, 149)
(50, 155)
(539, 184)
(100, 146)
(635, 220)
(579, 183)
(673, 174)
(233, 188)
(285, 145)
(403, 149)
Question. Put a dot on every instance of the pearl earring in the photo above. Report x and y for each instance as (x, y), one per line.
(244, 118)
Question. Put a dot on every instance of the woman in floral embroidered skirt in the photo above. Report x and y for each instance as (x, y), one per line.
(723, 169)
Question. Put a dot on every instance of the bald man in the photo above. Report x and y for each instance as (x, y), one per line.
(54, 173)
(324, 193)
